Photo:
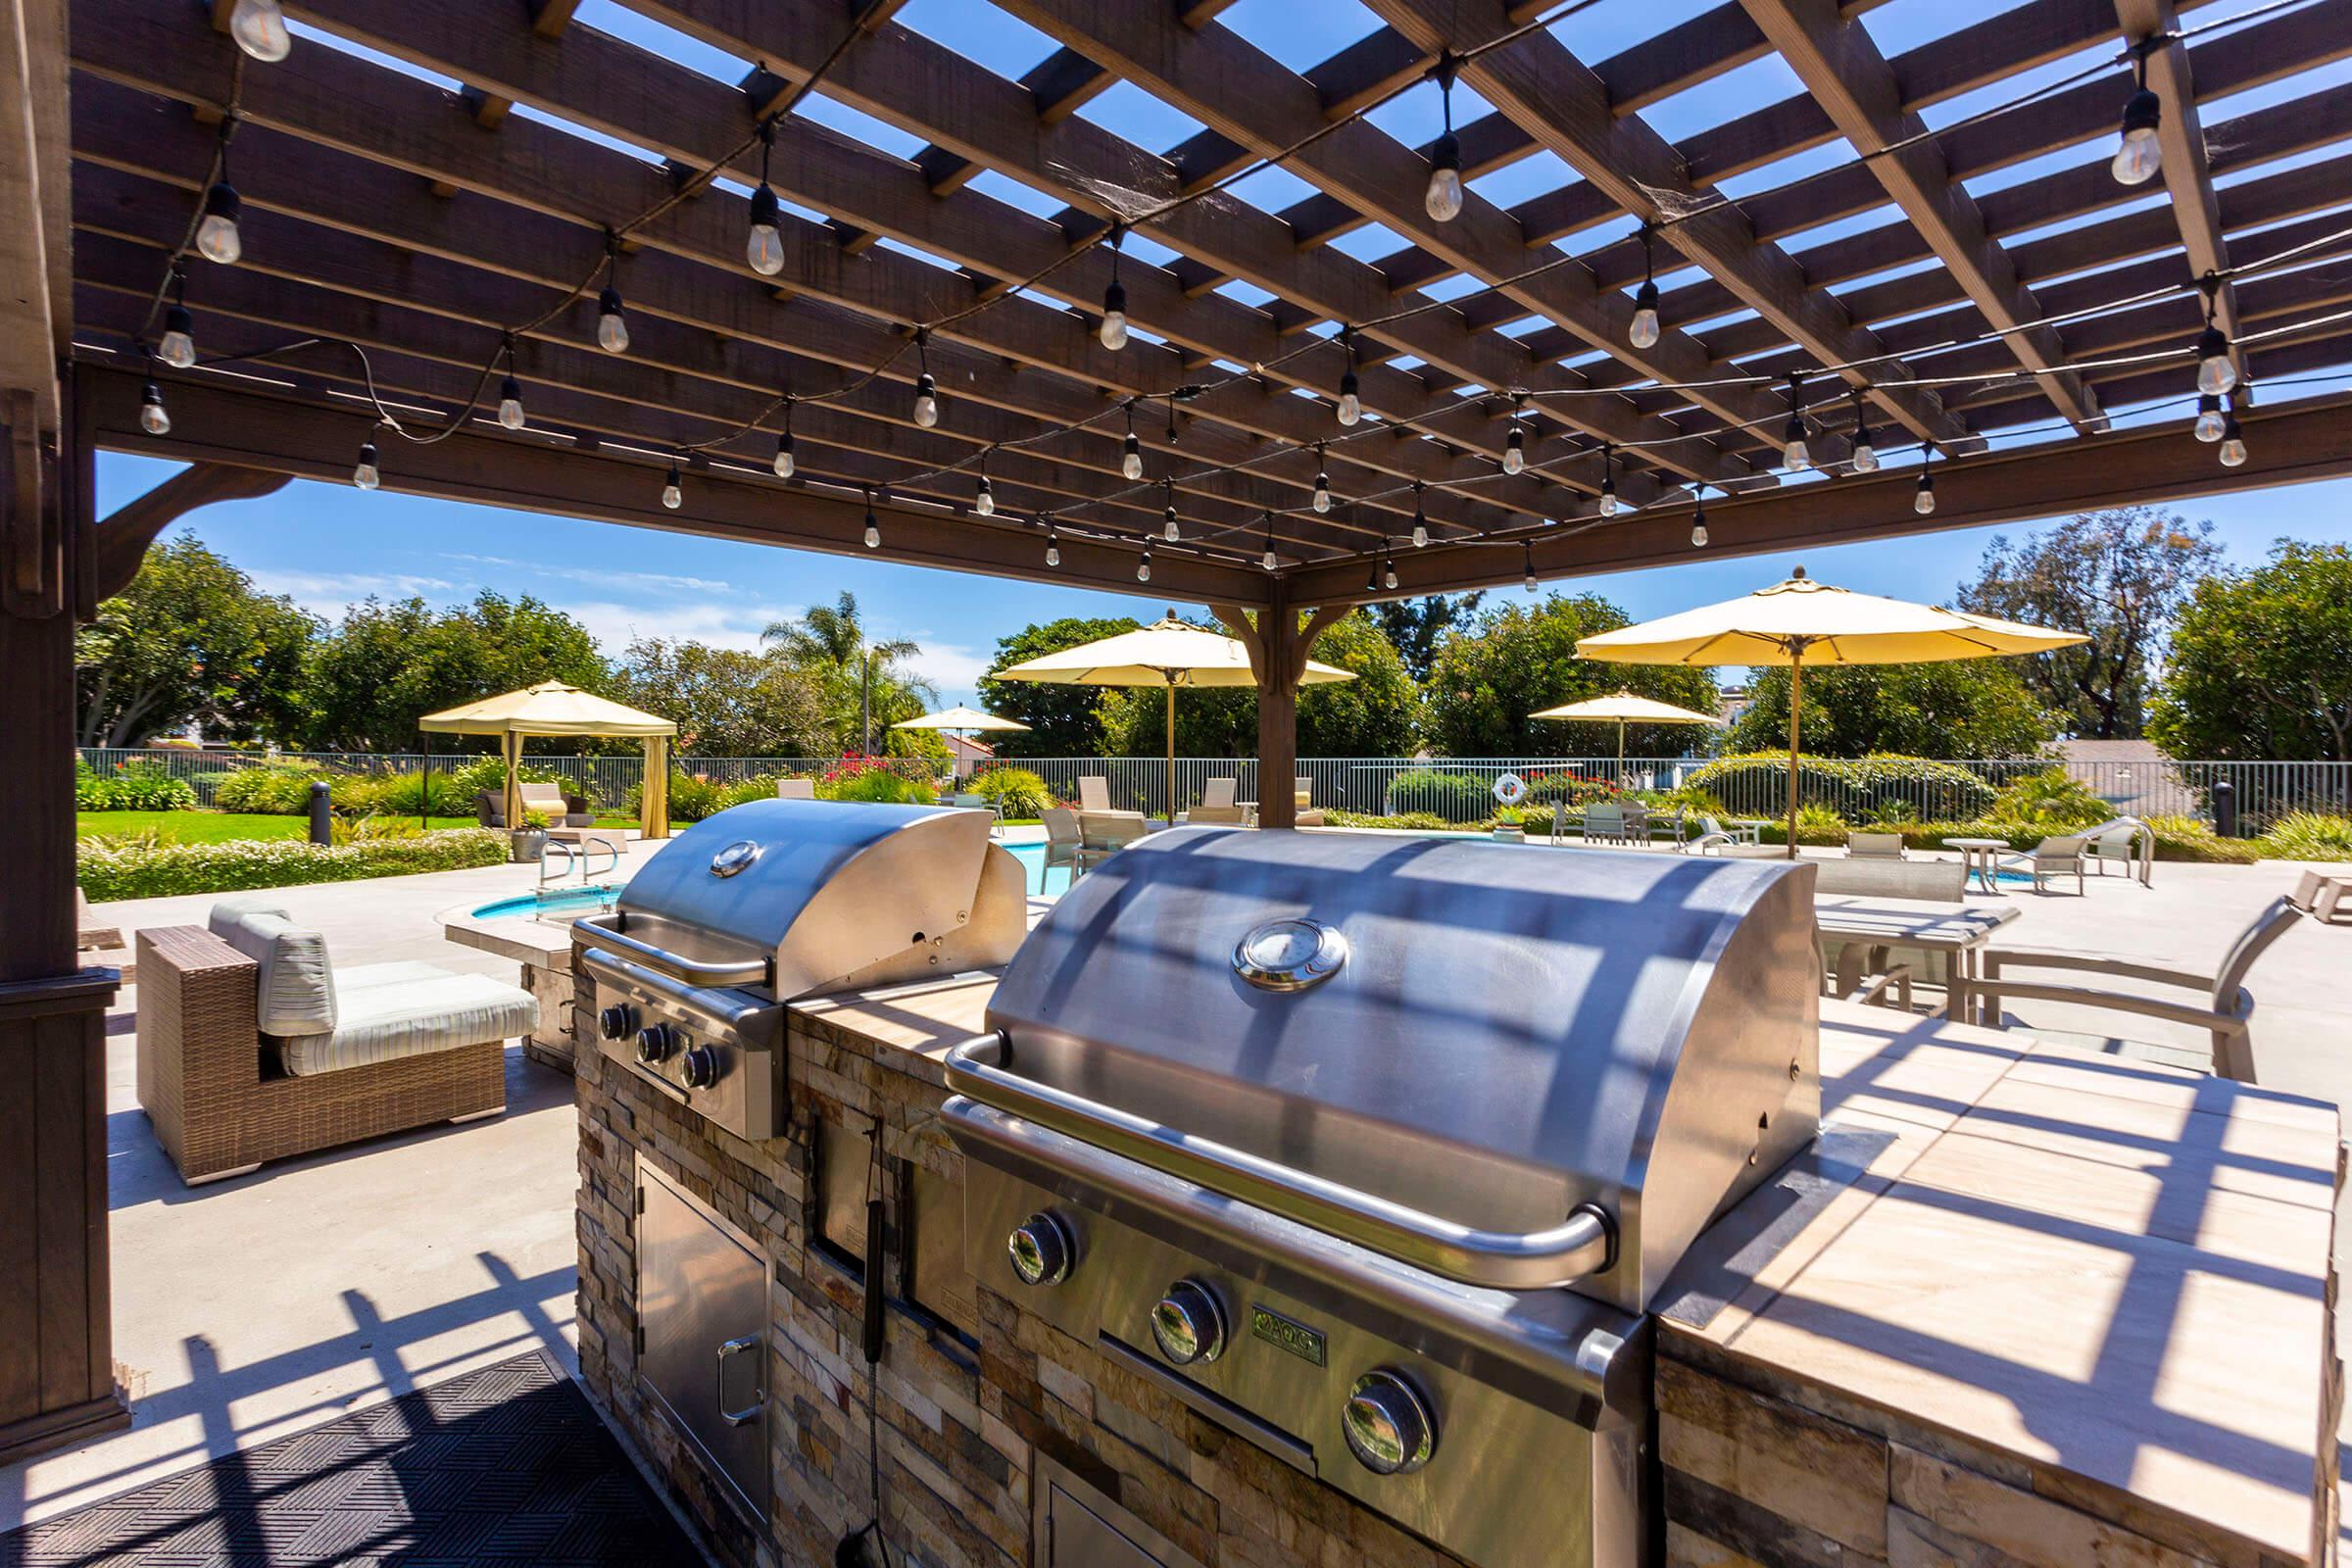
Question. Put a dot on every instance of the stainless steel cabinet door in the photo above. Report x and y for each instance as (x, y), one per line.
(702, 1302)
(1077, 1527)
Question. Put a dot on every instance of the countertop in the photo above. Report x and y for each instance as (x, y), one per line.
(2110, 1277)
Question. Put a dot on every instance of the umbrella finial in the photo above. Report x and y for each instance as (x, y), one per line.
(1798, 575)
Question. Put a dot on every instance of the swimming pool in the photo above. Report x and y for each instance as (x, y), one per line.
(1033, 866)
(567, 903)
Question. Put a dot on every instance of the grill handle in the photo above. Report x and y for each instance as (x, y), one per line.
(739, 972)
(1585, 1244)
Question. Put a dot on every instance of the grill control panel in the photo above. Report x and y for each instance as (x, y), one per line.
(719, 1051)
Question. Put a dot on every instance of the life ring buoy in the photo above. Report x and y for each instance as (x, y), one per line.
(1510, 789)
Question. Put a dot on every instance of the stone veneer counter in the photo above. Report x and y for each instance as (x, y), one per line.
(2076, 1310)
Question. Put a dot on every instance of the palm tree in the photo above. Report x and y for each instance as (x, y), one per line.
(859, 676)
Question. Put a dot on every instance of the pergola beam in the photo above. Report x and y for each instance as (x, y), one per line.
(1854, 85)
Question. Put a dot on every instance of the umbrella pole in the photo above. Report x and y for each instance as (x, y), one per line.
(1171, 751)
(1796, 681)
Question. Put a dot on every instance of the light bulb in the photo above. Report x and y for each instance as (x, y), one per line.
(260, 29)
(1443, 201)
(1352, 406)
(2209, 417)
(153, 418)
(985, 502)
(1531, 582)
(1698, 527)
(1608, 497)
(1389, 578)
(926, 400)
(366, 474)
(1420, 534)
(1527, 552)
(1131, 459)
(2233, 445)
(1643, 333)
(2215, 373)
(1924, 502)
(1796, 454)
(873, 534)
(784, 456)
(2139, 155)
(612, 328)
(1114, 317)
(1053, 549)
(764, 245)
(1267, 560)
(674, 493)
(1514, 452)
(1170, 532)
(1866, 456)
(1142, 568)
(1322, 492)
(216, 236)
(510, 404)
(178, 348)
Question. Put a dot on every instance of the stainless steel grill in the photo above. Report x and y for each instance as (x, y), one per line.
(776, 900)
(1376, 1150)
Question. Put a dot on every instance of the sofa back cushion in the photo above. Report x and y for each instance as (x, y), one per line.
(295, 986)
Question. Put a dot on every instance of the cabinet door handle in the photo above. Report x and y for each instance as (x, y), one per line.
(749, 1345)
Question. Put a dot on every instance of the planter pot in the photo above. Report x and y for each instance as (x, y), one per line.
(529, 842)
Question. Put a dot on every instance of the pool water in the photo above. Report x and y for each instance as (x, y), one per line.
(569, 904)
(1042, 882)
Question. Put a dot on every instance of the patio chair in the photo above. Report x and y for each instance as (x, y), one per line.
(2057, 857)
(796, 789)
(2126, 841)
(1103, 834)
(252, 1047)
(1093, 793)
(2320, 892)
(88, 935)
(547, 801)
(1616, 822)
(1874, 846)
(2225, 1012)
(1303, 794)
(1216, 804)
(1713, 834)
(1062, 839)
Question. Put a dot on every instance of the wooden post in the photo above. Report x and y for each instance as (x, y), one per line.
(57, 1372)
(1278, 653)
(653, 798)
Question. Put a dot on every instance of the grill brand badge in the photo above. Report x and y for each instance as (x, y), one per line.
(734, 858)
(1287, 1334)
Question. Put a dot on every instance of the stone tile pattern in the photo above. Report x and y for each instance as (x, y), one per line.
(1763, 1473)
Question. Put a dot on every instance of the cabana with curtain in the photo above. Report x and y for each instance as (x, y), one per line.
(551, 707)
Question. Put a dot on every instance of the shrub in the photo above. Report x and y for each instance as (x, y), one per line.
(372, 830)
(1555, 786)
(1816, 824)
(2309, 836)
(878, 784)
(276, 789)
(2189, 838)
(132, 786)
(692, 797)
(113, 867)
(1014, 792)
(1855, 788)
(1451, 797)
(2052, 799)
(1424, 821)
(395, 795)
(757, 787)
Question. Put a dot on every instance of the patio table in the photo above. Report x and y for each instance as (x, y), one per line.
(1959, 931)
(1981, 857)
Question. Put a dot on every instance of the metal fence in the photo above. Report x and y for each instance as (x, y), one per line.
(2264, 790)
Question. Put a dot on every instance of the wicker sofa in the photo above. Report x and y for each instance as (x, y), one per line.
(251, 1047)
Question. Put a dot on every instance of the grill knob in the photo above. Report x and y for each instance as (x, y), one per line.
(1188, 1323)
(1387, 1426)
(1041, 1251)
(616, 1021)
(700, 1068)
(654, 1043)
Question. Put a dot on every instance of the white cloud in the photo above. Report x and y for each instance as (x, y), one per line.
(329, 594)
(721, 624)
(601, 577)
(955, 670)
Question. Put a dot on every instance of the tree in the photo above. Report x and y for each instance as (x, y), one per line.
(865, 685)
(1062, 721)
(1957, 708)
(2116, 577)
(725, 701)
(188, 639)
(1415, 627)
(1514, 661)
(1372, 716)
(2258, 668)
(369, 678)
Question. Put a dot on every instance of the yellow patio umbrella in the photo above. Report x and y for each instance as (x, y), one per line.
(1623, 708)
(961, 720)
(1800, 622)
(553, 707)
(1167, 653)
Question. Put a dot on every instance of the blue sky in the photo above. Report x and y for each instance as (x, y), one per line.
(327, 545)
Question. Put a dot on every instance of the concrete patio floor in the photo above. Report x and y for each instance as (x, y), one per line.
(264, 1304)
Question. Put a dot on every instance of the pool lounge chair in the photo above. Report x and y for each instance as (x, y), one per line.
(2224, 1010)
(2127, 842)
(1874, 846)
(2052, 857)
(2320, 891)
(1217, 806)
(1303, 794)
(1713, 834)
(796, 789)
(252, 1047)
(1093, 793)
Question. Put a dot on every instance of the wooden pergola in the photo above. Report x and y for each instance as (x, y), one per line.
(422, 218)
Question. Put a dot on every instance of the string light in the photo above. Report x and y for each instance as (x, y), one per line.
(1142, 567)
(1514, 445)
(1643, 333)
(1351, 403)
(1420, 519)
(1866, 456)
(1923, 501)
(154, 418)
(1114, 304)
(1131, 453)
(1608, 482)
(2233, 441)
(366, 474)
(1372, 576)
(1322, 482)
(1443, 201)
(217, 237)
(1389, 577)
(259, 27)
(873, 529)
(926, 390)
(764, 242)
(1795, 455)
(1052, 547)
(2209, 417)
(611, 327)
(984, 494)
(1528, 555)
(1269, 560)
(1171, 418)
(1699, 519)
(178, 347)
(784, 452)
(674, 489)
(2139, 154)
(509, 393)
(2215, 372)
(1171, 533)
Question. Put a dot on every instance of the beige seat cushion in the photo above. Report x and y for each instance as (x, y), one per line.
(389, 1010)
(295, 988)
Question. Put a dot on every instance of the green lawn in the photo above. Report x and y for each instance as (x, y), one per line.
(212, 827)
